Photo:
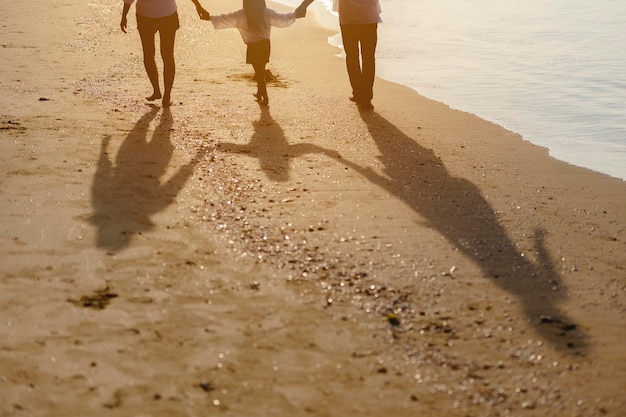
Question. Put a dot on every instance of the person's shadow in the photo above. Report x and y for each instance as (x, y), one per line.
(456, 208)
(127, 193)
(270, 146)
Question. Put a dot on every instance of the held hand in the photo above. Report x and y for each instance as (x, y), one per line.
(300, 12)
(203, 14)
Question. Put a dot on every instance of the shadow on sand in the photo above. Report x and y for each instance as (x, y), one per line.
(456, 208)
(269, 145)
(126, 194)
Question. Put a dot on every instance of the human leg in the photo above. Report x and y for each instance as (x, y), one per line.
(350, 39)
(147, 32)
(167, 33)
(368, 40)
(258, 55)
(169, 64)
(261, 83)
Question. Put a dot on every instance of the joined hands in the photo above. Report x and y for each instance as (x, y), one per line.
(203, 14)
(301, 10)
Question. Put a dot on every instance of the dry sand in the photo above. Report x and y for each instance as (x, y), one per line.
(304, 259)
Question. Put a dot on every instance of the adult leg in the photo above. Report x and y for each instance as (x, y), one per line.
(168, 38)
(149, 50)
(369, 39)
(350, 39)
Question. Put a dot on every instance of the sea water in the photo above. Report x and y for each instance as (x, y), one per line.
(553, 71)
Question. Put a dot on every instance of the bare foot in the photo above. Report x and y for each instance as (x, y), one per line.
(154, 96)
(167, 102)
(262, 100)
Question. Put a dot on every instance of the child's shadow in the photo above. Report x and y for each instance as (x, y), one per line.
(269, 145)
(126, 194)
(456, 208)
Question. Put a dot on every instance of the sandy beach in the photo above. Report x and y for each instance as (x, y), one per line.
(306, 258)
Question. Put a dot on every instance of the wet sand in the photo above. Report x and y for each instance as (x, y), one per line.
(303, 259)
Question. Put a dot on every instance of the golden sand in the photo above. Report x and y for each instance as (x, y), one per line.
(303, 259)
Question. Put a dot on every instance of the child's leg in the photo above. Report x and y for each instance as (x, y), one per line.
(261, 83)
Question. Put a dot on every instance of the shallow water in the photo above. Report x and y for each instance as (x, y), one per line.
(551, 70)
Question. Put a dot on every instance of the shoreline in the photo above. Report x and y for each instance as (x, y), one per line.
(303, 258)
(600, 160)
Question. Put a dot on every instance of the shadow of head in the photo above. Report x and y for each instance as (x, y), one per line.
(456, 208)
(128, 190)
